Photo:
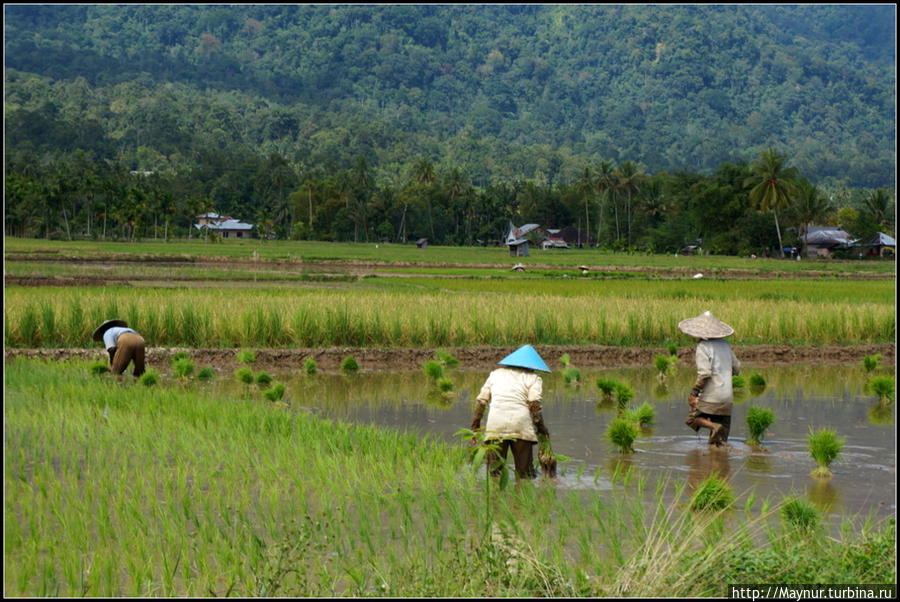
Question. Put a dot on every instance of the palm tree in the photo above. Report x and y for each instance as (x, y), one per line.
(773, 186)
(630, 179)
(586, 186)
(810, 206)
(877, 208)
(606, 184)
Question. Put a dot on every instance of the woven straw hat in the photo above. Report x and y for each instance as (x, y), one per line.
(101, 330)
(705, 326)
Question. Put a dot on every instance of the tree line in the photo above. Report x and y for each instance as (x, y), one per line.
(741, 208)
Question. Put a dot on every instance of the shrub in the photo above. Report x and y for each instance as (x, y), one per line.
(149, 378)
(883, 387)
(246, 356)
(434, 369)
(310, 366)
(758, 420)
(206, 373)
(824, 446)
(348, 364)
(622, 434)
(800, 515)
(713, 493)
(97, 368)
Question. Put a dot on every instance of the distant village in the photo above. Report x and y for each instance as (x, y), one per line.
(818, 242)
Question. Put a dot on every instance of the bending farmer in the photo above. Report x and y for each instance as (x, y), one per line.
(514, 420)
(712, 397)
(123, 344)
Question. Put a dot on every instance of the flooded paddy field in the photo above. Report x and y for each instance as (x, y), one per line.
(802, 397)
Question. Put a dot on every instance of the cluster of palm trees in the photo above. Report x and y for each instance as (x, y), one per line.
(611, 186)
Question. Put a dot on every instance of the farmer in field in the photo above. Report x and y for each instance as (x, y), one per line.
(712, 397)
(123, 344)
(514, 420)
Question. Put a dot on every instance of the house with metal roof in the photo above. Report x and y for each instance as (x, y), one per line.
(880, 245)
(223, 225)
(516, 241)
(822, 241)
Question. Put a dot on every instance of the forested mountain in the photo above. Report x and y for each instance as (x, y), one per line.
(240, 105)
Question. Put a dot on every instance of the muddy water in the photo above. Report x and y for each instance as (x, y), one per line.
(864, 481)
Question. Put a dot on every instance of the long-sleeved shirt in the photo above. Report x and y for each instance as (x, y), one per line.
(514, 396)
(716, 363)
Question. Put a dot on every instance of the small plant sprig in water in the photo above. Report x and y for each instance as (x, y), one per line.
(275, 392)
(607, 386)
(622, 433)
(180, 355)
(799, 515)
(824, 446)
(183, 367)
(738, 382)
(664, 364)
(624, 394)
(446, 358)
(263, 379)
(445, 385)
(672, 348)
(244, 375)
(565, 360)
(713, 493)
(207, 373)
(757, 383)
(758, 421)
(572, 375)
(883, 387)
(310, 366)
(349, 365)
(434, 369)
(870, 362)
(643, 415)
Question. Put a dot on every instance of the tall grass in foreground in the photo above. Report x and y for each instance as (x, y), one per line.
(112, 489)
(404, 318)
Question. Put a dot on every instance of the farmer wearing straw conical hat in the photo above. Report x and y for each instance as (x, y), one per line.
(123, 344)
(712, 397)
(514, 421)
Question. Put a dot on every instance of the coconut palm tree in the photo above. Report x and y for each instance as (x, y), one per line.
(585, 187)
(605, 181)
(629, 182)
(772, 186)
(811, 206)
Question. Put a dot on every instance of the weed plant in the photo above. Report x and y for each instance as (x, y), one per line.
(758, 421)
(824, 446)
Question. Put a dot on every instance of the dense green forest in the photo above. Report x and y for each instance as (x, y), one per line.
(645, 126)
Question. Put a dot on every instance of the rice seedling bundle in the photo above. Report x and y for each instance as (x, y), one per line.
(183, 367)
(434, 369)
(275, 392)
(571, 375)
(310, 366)
(623, 394)
(824, 446)
(870, 362)
(149, 378)
(758, 421)
(244, 375)
(622, 433)
(206, 373)
(349, 365)
(738, 382)
(444, 385)
(607, 386)
(99, 367)
(263, 379)
(883, 387)
(799, 514)
(713, 493)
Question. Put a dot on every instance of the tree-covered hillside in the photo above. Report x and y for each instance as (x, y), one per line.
(383, 122)
(499, 91)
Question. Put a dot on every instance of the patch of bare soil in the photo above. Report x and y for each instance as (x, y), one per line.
(480, 358)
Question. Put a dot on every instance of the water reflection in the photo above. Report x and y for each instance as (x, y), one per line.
(707, 461)
(823, 494)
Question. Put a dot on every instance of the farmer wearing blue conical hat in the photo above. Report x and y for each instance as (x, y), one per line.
(513, 392)
(712, 396)
(123, 344)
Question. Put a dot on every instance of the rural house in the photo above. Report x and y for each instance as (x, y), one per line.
(516, 241)
(822, 241)
(223, 225)
(880, 245)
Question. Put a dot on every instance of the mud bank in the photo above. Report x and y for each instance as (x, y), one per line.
(481, 358)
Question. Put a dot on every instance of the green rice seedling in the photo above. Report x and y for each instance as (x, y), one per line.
(99, 367)
(713, 493)
(624, 394)
(572, 375)
(672, 348)
(246, 356)
(607, 386)
(757, 383)
(800, 515)
(149, 378)
(883, 387)
(434, 369)
(446, 358)
(738, 382)
(644, 414)
(275, 392)
(183, 367)
(349, 365)
(758, 421)
(565, 360)
(622, 433)
(180, 355)
(310, 366)
(445, 385)
(263, 379)
(244, 375)
(870, 362)
(661, 362)
(206, 373)
(824, 446)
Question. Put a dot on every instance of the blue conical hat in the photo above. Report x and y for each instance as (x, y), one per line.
(525, 357)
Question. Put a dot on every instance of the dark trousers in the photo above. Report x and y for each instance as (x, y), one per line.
(129, 348)
(523, 456)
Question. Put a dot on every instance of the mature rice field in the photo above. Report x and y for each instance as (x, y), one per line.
(115, 489)
(455, 313)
